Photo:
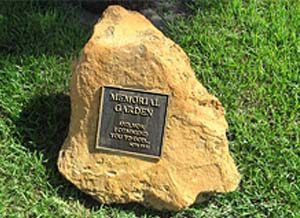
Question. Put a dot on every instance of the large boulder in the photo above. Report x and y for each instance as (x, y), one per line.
(126, 50)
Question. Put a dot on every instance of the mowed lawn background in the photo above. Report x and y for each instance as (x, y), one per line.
(247, 53)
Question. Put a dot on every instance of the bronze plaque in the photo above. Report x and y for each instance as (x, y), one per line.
(132, 121)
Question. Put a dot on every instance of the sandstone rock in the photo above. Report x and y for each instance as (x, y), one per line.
(126, 50)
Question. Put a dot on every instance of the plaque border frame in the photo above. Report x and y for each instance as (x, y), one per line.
(101, 147)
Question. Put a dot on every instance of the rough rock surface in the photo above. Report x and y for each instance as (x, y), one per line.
(126, 50)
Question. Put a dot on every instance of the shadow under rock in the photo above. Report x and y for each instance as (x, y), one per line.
(42, 127)
(98, 7)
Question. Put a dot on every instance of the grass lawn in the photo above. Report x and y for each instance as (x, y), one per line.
(247, 53)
